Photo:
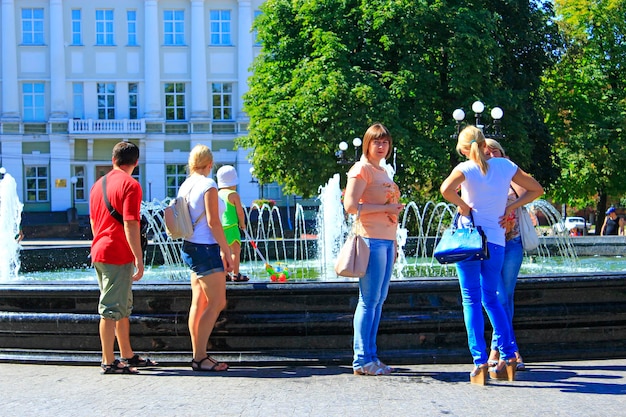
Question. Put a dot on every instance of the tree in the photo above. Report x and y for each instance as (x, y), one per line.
(330, 68)
(588, 103)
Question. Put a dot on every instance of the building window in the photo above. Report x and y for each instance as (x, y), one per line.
(36, 178)
(106, 101)
(32, 26)
(222, 101)
(175, 175)
(33, 95)
(77, 35)
(131, 26)
(272, 191)
(136, 174)
(79, 188)
(175, 101)
(174, 27)
(255, 35)
(104, 27)
(133, 109)
(220, 27)
(78, 99)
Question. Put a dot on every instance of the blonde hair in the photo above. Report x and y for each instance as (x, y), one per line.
(472, 141)
(199, 157)
(494, 144)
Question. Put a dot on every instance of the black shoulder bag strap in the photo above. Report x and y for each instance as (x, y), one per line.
(116, 215)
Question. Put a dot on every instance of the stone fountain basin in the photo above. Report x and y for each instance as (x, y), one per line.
(575, 316)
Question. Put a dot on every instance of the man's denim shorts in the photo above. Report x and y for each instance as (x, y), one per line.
(202, 259)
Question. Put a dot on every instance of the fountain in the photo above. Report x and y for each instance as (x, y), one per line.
(561, 314)
(10, 219)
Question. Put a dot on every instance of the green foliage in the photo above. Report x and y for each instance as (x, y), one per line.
(588, 103)
(330, 68)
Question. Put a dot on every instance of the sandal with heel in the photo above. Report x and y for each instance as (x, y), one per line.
(370, 369)
(503, 370)
(478, 376)
(386, 368)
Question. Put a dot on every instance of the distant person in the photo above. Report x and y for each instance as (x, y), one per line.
(233, 218)
(375, 198)
(207, 254)
(613, 225)
(117, 257)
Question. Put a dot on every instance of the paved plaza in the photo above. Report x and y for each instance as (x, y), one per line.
(577, 388)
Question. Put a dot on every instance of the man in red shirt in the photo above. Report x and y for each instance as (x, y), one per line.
(117, 256)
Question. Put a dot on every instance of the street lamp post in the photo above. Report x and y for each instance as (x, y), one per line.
(341, 154)
(253, 180)
(492, 131)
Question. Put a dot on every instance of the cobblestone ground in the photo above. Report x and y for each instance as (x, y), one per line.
(581, 388)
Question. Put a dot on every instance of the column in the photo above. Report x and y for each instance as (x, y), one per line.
(58, 108)
(10, 96)
(152, 62)
(199, 100)
(244, 52)
(60, 198)
(155, 162)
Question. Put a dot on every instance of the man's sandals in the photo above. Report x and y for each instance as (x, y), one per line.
(216, 366)
(139, 362)
(118, 367)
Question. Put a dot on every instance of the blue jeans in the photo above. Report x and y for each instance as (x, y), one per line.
(373, 289)
(513, 257)
(479, 284)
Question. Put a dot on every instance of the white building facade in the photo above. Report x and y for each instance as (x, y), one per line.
(76, 77)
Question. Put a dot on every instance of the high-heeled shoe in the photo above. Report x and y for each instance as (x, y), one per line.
(503, 369)
(386, 368)
(371, 369)
(478, 376)
(520, 366)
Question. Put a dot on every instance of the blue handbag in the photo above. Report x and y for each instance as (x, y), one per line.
(462, 243)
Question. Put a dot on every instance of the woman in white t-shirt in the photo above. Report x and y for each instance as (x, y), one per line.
(484, 183)
(207, 253)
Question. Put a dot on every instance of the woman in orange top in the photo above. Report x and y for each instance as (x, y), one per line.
(372, 194)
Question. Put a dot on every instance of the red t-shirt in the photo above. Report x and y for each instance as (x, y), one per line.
(109, 243)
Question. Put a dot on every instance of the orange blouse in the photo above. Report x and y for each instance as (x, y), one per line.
(380, 189)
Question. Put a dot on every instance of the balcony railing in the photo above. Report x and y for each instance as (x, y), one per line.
(96, 126)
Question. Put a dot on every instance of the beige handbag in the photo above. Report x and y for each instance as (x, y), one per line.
(530, 239)
(354, 254)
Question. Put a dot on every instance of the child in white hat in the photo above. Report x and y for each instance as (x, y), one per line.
(233, 217)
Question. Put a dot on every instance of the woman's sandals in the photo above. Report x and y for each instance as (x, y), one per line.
(216, 366)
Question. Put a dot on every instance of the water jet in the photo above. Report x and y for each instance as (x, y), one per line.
(559, 315)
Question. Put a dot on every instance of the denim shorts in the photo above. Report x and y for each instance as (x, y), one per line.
(203, 259)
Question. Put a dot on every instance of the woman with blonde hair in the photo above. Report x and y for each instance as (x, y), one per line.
(207, 253)
(484, 183)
